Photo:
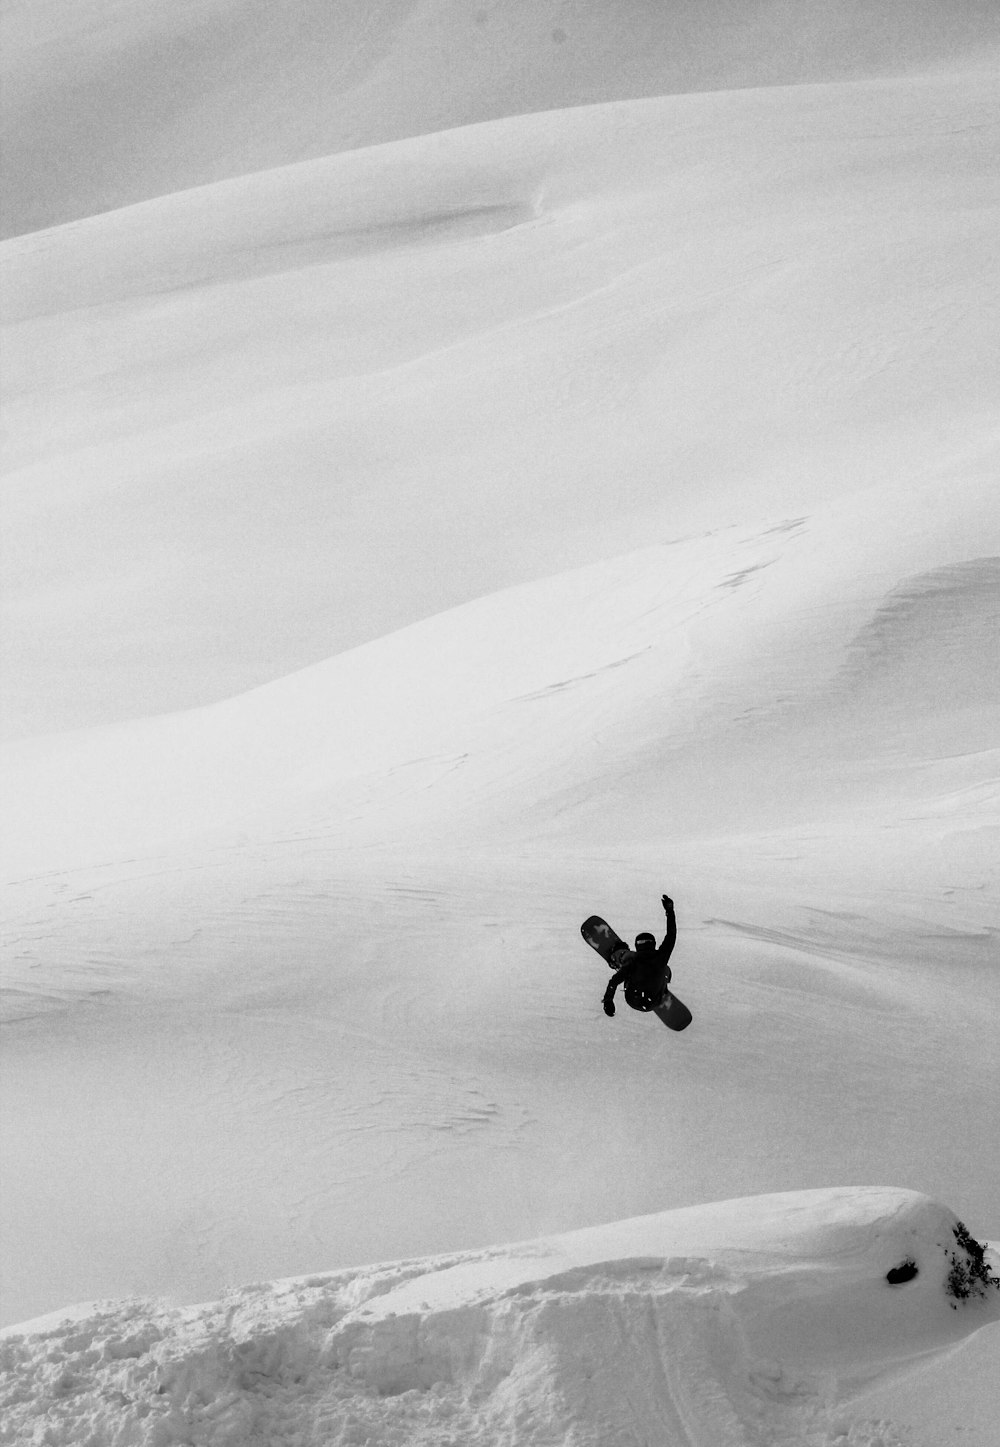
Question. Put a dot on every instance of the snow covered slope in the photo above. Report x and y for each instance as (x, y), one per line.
(263, 422)
(106, 104)
(836, 667)
(411, 550)
(737, 1324)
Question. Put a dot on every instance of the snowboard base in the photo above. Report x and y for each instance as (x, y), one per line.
(674, 1013)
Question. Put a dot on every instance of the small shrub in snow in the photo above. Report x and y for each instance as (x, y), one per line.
(969, 1275)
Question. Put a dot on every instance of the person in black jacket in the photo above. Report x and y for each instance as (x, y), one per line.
(644, 971)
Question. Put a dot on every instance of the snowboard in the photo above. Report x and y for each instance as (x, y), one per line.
(602, 938)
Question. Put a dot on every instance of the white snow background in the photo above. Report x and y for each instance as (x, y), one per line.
(412, 548)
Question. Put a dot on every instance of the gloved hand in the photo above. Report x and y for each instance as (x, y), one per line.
(609, 1007)
(668, 903)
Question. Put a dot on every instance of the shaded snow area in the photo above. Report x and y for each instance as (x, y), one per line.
(743, 1322)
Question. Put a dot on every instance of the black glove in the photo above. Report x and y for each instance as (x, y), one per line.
(668, 903)
(609, 1007)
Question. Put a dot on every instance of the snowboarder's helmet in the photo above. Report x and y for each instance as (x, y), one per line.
(645, 942)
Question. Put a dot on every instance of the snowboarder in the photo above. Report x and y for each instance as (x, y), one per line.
(644, 971)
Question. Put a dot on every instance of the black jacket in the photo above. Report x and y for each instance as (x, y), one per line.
(645, 974)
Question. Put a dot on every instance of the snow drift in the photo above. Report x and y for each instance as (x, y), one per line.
(742, 1322)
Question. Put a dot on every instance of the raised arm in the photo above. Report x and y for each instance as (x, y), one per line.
(667, 947)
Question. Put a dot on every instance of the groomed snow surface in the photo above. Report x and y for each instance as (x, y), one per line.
(413, 548)
(742, 1322)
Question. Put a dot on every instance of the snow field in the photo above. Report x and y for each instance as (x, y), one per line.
(835, 655)
(296, 1056)
(410, 551)
(712, 311)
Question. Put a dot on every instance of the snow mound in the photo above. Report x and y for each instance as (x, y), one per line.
(744, 1321)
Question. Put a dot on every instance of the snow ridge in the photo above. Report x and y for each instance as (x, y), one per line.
(771, 1311)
